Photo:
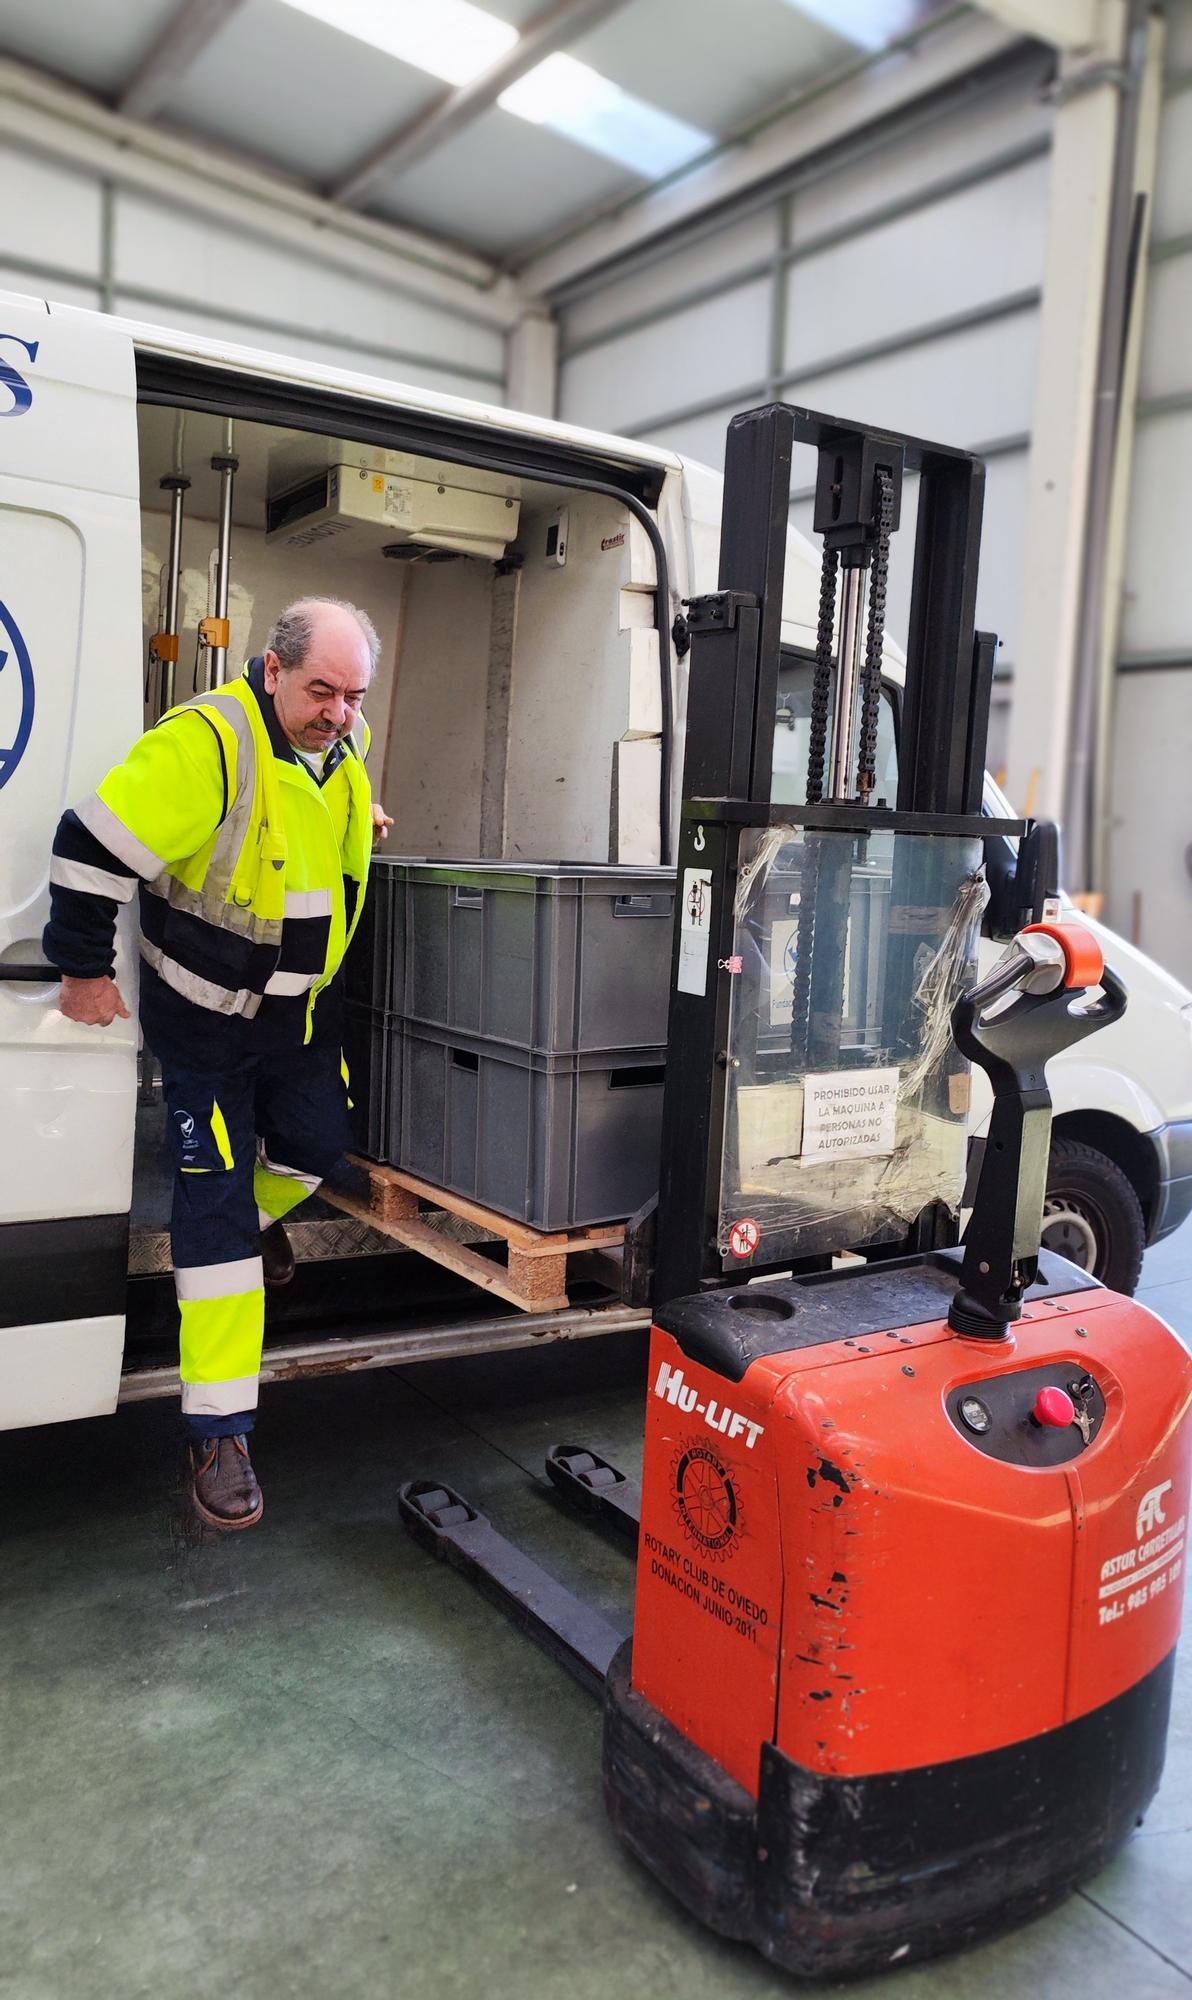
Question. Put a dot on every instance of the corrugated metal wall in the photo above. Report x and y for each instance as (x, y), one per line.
(74, 237)
(1150, 837)
(903, 288)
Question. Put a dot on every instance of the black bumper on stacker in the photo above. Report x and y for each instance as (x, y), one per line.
(836, 1877)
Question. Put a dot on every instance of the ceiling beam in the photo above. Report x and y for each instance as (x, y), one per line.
(44, 119)
(1066, 24)
(823, 116)
(555, 28)
(184, 37)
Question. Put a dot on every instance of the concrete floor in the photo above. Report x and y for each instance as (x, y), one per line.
(310, 1761)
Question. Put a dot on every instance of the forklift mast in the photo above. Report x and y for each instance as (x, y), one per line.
(816, 856)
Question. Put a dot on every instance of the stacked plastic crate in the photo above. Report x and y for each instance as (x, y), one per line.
(526, 1068)
(374, 987)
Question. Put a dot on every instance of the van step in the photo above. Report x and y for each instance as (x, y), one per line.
(337, 1353)
(317, 1242)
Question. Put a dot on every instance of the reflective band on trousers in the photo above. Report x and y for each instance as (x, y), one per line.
(279, 1189)
(309, 1181)
(93, 881)
(219, 1281)
(220, 1339)
(219, 1399)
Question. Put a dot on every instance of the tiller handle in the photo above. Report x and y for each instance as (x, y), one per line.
(1052, 966)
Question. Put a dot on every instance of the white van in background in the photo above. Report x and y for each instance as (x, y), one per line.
(525, 578)
(1121, 1153)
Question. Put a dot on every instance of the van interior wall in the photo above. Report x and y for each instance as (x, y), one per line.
(525, 723)
(263, 581)
(433, 770)
(582, 775)
(515, 710)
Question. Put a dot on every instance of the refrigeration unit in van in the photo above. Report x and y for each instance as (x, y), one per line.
(378, 507)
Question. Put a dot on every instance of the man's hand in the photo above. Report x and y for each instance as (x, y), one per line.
(94, 1002)
(381, 822)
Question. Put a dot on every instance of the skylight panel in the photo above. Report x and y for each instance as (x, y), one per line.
(456, 41)
(450, 39)
(868, 24)
(580, 104)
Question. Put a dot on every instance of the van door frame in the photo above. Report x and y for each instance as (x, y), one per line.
(193, 385)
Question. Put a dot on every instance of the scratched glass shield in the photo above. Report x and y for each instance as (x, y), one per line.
(17, 695)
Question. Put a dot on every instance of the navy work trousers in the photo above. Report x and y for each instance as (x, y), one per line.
(250, 1139)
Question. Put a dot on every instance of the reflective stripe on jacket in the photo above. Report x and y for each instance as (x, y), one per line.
(251, 870)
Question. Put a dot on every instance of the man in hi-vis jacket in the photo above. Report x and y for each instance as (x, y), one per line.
(245, 820)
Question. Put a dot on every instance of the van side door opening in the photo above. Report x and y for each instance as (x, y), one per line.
(516, 713)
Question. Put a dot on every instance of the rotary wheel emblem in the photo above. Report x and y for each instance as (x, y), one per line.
(706, 1499)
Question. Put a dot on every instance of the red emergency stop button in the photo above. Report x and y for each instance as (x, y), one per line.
(1054, 1407)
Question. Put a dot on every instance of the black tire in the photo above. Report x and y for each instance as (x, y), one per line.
(1092, 1214)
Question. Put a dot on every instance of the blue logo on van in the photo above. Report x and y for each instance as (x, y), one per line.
(14, 659)
(12, 380)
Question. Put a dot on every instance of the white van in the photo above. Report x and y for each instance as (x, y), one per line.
(525, 579)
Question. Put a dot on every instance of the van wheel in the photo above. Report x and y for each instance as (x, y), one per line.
(1092, 1215)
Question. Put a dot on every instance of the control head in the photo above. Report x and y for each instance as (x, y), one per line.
(1033, 1005)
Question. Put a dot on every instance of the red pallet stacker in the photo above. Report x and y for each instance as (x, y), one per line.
(911, 1526)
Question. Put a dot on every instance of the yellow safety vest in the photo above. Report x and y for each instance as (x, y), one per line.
(212, 917)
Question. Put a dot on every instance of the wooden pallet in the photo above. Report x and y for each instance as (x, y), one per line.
(534, 1275)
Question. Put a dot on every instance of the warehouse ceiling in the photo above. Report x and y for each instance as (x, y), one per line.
(498, 127)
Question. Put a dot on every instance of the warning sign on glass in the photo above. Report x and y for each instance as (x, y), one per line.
(849, 1114)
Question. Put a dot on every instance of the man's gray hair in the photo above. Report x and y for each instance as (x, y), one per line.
(291, 632)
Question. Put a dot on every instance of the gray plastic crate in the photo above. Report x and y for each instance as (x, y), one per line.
(374, 969)
(372, 1041)
(559, 958)
(555, 1141)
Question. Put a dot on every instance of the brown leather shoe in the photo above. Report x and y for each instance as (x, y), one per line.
(224, 1485)
(277, 1256)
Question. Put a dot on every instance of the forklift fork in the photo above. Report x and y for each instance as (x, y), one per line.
(595, 1489)
(444, 1523)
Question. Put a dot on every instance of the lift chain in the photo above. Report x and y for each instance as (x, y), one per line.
(821, 685)
(872, 677)
(821, 692)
